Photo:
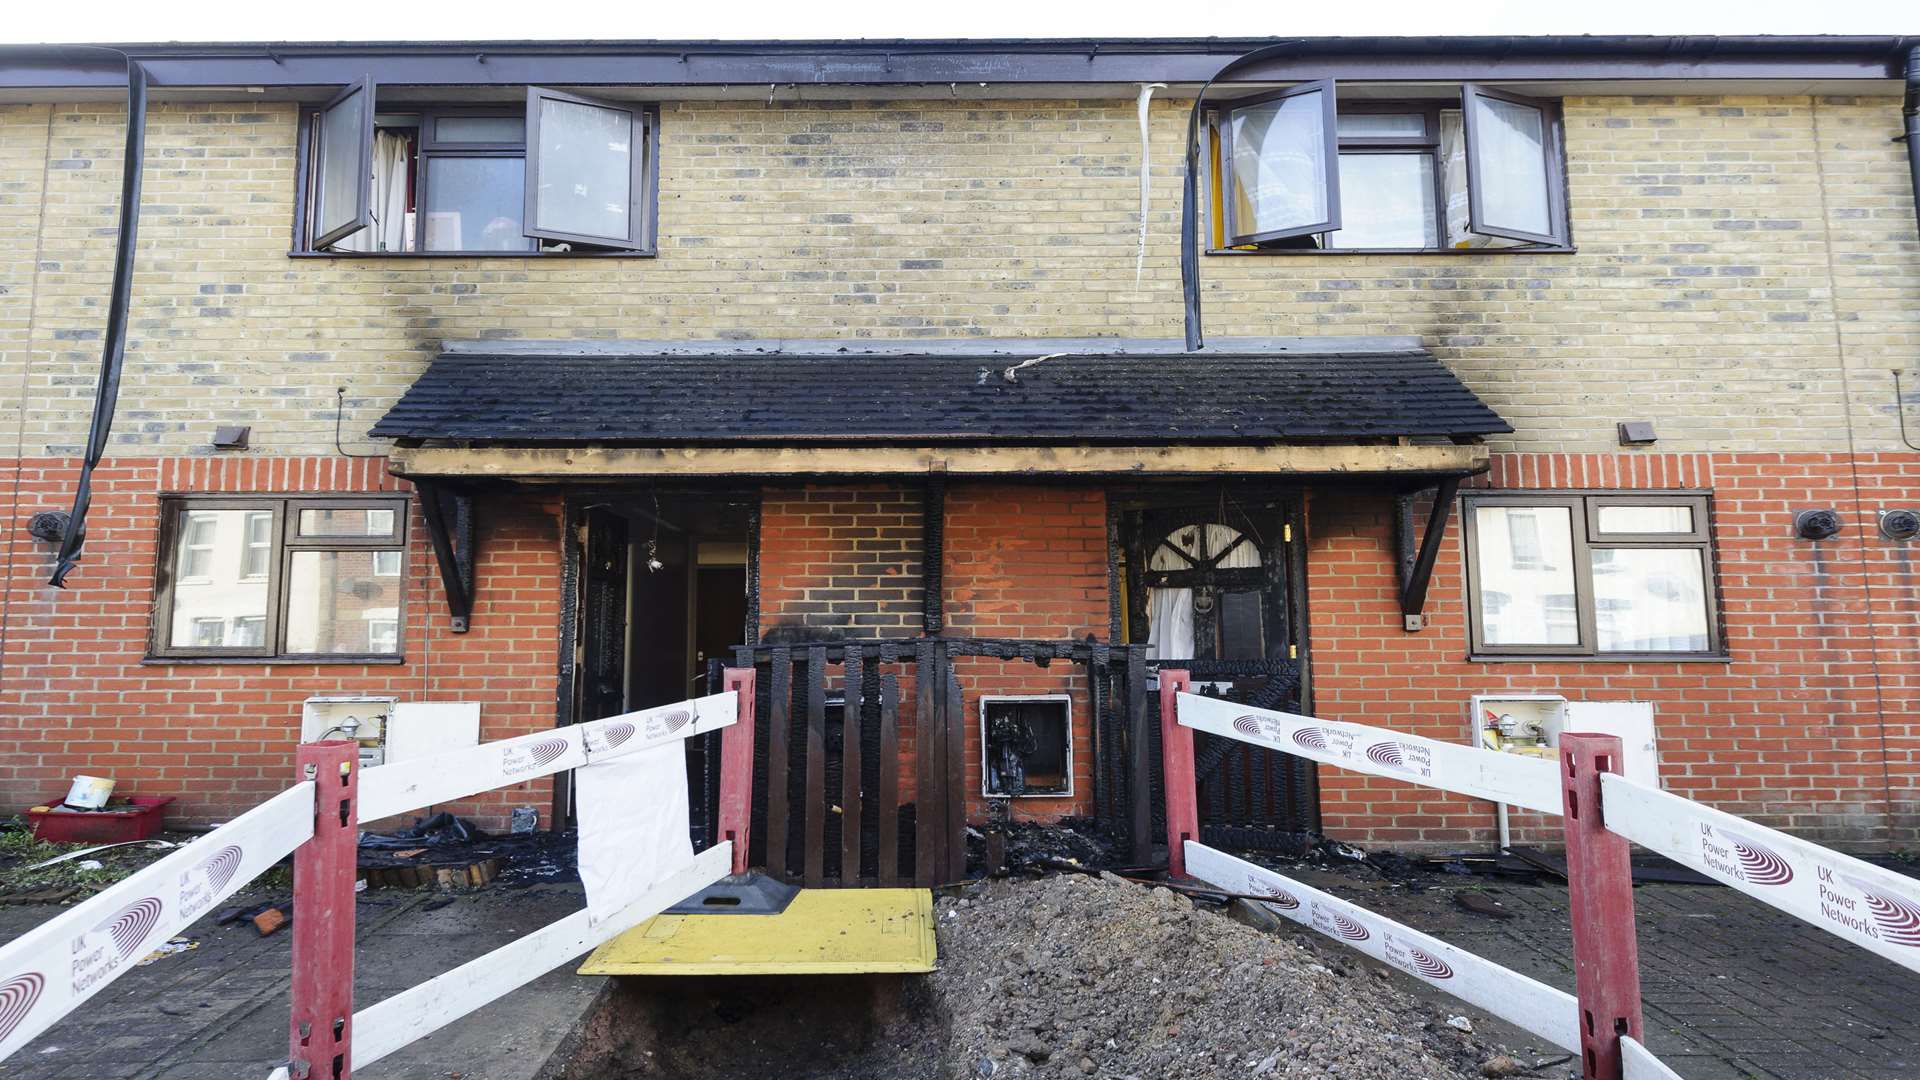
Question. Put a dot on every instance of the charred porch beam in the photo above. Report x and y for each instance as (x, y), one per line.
(449, 514)
(933, 524)
(1416, 565)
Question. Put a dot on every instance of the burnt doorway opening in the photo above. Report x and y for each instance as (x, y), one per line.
(1214, 583)
(664, 584)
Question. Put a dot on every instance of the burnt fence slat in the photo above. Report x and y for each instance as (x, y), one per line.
(929, 800)
(815, 806)
(954, 733)
(851, 717)
(887, 806)
(779, 736)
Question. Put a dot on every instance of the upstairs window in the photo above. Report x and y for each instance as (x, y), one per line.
(562, 174)
(1299, 170)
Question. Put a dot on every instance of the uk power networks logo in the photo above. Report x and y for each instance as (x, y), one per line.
(1311, 738)
(96, 954)
(660, 725)
(515, 760)
(201, 885)
(602, 738)
(1272, 894)
(1898, 918)
(1759, 864)
(17, 996)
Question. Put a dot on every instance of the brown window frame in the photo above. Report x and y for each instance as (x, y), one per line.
(286, 540)
(1216, 174)
(1583, 508)
(646, 190)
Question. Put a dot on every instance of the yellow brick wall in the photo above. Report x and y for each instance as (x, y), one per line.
(1743, 264)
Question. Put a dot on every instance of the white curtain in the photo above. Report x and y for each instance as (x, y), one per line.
(1170, 611)
(388, 231)
(1453, 163)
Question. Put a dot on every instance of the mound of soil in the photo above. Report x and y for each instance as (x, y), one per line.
(1083, 976)
(1069, 976)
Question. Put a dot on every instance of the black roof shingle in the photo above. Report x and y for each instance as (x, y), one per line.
(1365, 389)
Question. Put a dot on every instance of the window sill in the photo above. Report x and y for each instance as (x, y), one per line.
(1609, 658)
(249, 661)
(383, 256)
(1329, 252)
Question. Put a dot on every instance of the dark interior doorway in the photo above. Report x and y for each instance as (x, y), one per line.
(663, 586)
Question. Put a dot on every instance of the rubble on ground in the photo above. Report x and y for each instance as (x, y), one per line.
(1098, 976)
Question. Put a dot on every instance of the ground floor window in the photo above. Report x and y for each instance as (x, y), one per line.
(280, 578)
(1614, 575)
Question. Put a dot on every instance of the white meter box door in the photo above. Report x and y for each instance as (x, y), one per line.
(1632, 721)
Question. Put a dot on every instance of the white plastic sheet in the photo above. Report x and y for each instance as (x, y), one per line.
(633, 825)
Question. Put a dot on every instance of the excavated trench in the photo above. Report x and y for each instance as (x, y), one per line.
(1070, 976)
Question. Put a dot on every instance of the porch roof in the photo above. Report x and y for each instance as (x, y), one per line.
(1009, 393)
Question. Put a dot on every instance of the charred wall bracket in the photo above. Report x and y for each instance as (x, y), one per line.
(449, 514)
(1416, 563)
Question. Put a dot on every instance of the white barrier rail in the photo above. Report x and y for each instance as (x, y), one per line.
(384, 1027)
(54, 967)
(1552, 1014)
(1465, 770)
(1873, 908)
(386, 790)
(1638, 1063)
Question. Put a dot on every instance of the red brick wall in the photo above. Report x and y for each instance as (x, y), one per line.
(79, 697)
(840, 562)
(1811, 727)
(1025, 561)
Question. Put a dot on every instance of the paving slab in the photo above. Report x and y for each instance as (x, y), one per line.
(1732, 989)
(219, 1012)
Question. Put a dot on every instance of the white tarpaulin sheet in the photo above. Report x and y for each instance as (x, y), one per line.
(633, 825)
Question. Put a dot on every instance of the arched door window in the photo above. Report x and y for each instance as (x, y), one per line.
(1204, 589)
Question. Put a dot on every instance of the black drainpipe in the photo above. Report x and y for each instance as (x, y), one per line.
(113, 352)
(1912, 111)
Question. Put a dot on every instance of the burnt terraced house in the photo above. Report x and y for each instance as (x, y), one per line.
(1492, 378)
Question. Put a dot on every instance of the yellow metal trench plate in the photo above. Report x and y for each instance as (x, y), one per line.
(823, 932)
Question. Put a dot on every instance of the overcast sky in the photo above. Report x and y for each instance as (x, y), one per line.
(428, 20)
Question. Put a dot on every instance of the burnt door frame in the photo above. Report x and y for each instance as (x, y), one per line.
(582, 628)
(1143, 519)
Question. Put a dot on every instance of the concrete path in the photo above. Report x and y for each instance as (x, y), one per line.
(219, 1012)
(1732, 989)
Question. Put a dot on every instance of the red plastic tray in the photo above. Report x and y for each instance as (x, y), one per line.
(141, 822)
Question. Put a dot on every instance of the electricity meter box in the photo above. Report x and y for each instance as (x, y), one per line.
(1531, 724)
(390, 730)
(363, 719)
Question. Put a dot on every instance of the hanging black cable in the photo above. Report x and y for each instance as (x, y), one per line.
(1190, 195)
(113, 351)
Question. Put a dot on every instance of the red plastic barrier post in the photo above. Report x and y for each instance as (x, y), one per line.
(1606, 954)
(736, 768)
(321, 1028)
(1176, 756)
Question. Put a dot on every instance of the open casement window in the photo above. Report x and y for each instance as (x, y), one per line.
(1280, 165)
(1512, 151)
(343, 164)
(1302, 171)
(586, 170)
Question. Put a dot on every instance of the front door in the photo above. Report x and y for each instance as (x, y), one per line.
(1211, 587)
